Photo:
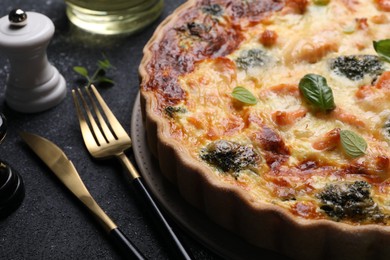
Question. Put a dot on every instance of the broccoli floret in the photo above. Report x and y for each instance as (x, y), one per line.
(229, 156)
(171, 111)
(252, 58)
(214, 9)
(350, 201)
(355, 67)
(198, 29)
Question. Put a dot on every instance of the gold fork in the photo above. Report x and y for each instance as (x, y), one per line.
(104, 140)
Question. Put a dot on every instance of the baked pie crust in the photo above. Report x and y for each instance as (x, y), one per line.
(272, 117)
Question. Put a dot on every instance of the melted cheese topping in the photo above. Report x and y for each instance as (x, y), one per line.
(299, 44)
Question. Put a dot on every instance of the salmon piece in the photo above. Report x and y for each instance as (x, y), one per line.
(346, 117)
(271, 142)
(232, 125)
(384, 81)
(195, 122)
(283, 118)
(295, 7)
(312, 52)
(328, 141)
(382, 162)
(254, 119)
(212, 134)
(361, 23)
(380, 19)
(383, 5)
(285, 89)
(374, 165)
(268, 38)
(364, 92)
(312, 48)
(381, 87)
(306, 209)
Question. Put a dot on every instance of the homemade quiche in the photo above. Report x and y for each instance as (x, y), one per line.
(273, 117)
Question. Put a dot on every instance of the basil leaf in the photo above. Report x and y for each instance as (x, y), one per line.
(244, 95)
(382, 47)
(316, 91)
(354, 145)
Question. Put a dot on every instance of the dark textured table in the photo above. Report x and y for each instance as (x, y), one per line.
(50, 223)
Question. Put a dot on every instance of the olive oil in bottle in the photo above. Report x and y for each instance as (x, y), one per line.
(113, 16)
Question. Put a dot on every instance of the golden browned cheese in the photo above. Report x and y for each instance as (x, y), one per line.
(267, 47)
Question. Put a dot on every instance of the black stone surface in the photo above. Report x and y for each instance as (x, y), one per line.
(51, 223)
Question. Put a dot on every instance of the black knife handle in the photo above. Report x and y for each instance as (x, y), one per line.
(128, 249)
(174, 243)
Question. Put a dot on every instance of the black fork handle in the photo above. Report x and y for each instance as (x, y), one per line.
(174, 243)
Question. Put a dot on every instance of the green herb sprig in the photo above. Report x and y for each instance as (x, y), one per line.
(316, 91)
(244, 95)
(353, 144)
(382, 47)
(99, 76)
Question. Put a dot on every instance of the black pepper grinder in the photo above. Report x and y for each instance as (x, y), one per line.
(11, 184)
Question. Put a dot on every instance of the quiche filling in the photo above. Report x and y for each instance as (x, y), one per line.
(309, 129)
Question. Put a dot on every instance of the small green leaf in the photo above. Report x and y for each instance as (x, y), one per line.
(316, 91)
(99, 75)
(353, 144)
(104, 64)
(81, 70)
(244, 95)
(106, 80)
(382, 47)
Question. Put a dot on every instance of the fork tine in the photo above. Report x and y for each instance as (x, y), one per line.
(107, 132)
(99, 138)
(115, 125)
(86, 132)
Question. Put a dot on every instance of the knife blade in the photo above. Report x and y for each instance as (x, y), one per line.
(64, 169)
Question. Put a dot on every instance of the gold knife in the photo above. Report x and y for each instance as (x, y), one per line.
(64, 169)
